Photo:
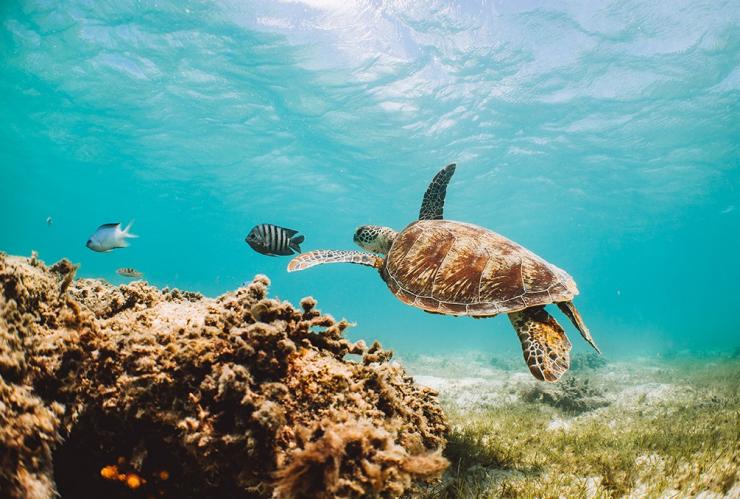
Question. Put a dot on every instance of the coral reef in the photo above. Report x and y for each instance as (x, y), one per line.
(108, 390)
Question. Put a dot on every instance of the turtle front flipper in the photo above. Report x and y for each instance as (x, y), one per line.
(317, 257)
(434, 197)
(544, 344)
(571, 312)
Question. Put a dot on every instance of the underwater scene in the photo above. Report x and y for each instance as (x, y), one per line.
(337, 248)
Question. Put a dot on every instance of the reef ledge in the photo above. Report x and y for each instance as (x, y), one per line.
(123, 391)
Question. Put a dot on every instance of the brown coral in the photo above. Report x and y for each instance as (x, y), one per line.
(238, 396)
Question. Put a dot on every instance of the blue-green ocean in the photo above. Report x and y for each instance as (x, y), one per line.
(601, 135)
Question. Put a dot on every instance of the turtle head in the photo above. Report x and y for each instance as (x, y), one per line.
(375, 238)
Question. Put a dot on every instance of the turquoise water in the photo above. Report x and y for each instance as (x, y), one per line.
(601, 135)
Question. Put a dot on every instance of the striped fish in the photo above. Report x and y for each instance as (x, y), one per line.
(273, 240)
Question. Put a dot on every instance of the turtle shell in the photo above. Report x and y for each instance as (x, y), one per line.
(456, 268)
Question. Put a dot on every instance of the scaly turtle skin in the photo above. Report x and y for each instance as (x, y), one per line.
(455, 268)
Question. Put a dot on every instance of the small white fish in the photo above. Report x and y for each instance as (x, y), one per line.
(129, 272)
(109, 237)
(49, 221)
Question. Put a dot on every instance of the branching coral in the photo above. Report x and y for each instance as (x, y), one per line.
(239, 396)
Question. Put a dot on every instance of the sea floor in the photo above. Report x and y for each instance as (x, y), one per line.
(649, 427)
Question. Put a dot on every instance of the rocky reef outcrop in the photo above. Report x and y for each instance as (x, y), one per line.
(126, 391)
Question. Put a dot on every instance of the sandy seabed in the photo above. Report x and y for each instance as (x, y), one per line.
(648, 427)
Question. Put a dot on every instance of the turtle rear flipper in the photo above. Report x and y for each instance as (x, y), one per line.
(317, 257)
(544, 344)
(571, 312)
(434, 197)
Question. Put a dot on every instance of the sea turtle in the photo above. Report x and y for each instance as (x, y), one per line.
(456, 268)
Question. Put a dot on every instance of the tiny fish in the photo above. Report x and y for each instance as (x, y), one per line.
(49, 221)
(109, 237)
(272, 240)
(130, 272)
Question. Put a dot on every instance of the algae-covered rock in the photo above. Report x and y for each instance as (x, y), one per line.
(572, 395)
(109, 391)
(586, 361)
